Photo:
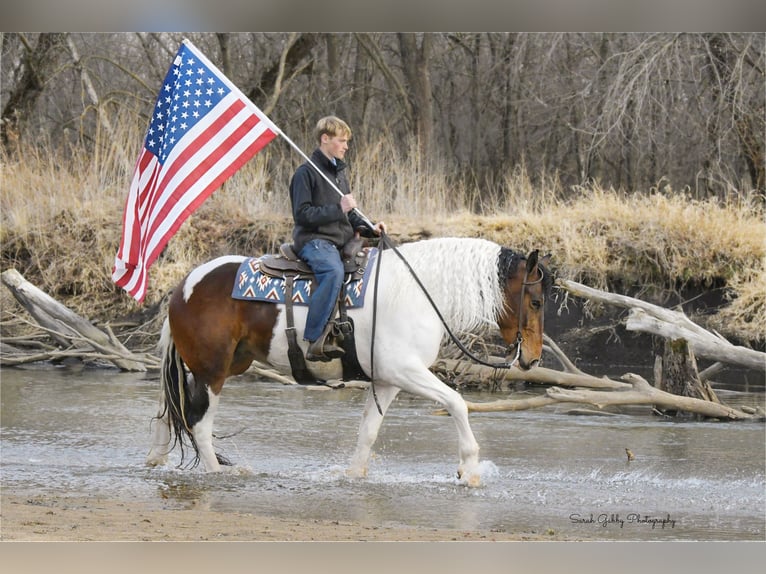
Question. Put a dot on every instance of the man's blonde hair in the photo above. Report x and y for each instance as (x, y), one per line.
(332, 126)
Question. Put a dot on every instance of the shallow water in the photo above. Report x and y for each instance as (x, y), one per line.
(87, 433)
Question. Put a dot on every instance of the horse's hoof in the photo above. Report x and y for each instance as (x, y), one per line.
(156, 461)
(222, 460)
(356, 472)
(470, 479)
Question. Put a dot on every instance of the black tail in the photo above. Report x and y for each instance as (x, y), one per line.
(185, 402)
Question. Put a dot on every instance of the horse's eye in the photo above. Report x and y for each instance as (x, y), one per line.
(537, 304)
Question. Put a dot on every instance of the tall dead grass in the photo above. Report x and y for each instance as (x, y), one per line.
(61, 224)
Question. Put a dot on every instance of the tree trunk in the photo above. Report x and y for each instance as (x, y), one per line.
(103, 117)
(748, 126)
(680, 376)
(224, 39)
(335, 84)
(65, 326)
(415, 65)
(294, 59)
(39, 64)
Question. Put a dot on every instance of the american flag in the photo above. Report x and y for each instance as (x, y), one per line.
(203, 129)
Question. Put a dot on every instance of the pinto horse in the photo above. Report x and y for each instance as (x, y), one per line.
(472, 283)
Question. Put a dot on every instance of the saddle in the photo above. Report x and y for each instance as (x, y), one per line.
(288, 266)
(287, 263)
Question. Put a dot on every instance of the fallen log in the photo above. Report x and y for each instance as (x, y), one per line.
(536, 375)
(704, 345)
(671, 324)
(639, 392)
(67, 328)
(643, 393)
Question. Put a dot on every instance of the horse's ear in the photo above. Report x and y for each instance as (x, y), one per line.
(545, 259)
(532, 260)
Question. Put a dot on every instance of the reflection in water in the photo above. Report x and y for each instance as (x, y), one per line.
(88, 432)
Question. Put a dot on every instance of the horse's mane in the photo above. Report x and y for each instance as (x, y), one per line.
(460, 274)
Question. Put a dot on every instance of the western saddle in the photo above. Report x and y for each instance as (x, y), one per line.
(288, 266)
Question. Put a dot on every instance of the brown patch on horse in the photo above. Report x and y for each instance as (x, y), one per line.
(219, 339)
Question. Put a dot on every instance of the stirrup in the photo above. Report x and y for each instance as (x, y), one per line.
(322, 349)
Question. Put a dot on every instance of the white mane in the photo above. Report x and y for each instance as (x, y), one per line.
(460, 275)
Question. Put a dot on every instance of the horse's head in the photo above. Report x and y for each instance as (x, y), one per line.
(525, 283)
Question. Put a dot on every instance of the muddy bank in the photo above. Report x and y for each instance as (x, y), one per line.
(76, 518)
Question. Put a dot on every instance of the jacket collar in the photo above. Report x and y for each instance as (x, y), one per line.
(324, 162)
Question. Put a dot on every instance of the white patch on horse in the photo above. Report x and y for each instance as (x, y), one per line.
(203, 434)
(199, 273)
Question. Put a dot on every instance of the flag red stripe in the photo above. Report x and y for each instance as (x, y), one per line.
(159, 213)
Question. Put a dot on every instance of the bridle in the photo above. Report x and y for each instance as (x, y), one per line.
(519, 337)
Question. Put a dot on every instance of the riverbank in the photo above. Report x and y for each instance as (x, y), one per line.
(45, 518)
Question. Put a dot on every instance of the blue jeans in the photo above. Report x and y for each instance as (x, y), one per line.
(324, 259)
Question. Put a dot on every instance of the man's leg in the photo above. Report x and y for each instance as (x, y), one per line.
(324, 259)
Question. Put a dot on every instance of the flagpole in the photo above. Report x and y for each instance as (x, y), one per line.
(274, 128)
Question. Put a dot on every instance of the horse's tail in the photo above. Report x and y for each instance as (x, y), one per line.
(185, 404)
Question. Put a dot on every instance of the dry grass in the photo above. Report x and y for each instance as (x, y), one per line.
(61, 224)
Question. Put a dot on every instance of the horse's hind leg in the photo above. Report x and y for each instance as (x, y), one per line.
(161, 440)
(203, 434)
(369, 427)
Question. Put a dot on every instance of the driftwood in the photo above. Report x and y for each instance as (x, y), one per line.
(645, 394)
(635, 390)
(672, 324)
(77, 336)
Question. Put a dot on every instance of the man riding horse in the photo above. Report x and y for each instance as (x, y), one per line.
(325, 221)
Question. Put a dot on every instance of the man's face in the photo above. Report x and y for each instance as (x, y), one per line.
(335, 146)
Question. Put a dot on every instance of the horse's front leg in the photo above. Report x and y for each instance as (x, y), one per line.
(420, 381)
(369, 427)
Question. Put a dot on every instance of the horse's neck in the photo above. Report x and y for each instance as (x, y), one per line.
(460, 275)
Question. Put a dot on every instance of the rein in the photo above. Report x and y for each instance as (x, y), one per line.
(388, 243)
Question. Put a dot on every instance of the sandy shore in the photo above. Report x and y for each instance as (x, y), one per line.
(58, 518)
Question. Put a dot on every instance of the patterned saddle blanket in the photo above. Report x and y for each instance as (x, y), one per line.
(252, 284)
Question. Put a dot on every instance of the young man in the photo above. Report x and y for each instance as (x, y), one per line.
(324, 223)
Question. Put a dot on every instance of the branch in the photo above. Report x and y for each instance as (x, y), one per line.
(645, 394)
(66, 326)
(706, 345)
(672, 324)
(91, 90)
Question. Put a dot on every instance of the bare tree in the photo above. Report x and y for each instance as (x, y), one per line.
(415, 54)
(626, 110)
(37, 65)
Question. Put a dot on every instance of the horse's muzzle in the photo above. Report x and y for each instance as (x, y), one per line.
(525, 366)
